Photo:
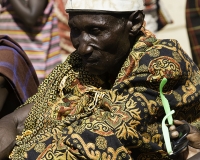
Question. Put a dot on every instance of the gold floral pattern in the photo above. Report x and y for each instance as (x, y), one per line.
(101, 142)
(40, 147)
(122, 122)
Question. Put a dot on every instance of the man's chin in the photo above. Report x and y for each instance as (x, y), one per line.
(93, 71)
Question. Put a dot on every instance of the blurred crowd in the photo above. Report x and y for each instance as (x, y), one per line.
(40, 28)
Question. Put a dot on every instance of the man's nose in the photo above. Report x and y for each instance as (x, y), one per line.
(84, 44)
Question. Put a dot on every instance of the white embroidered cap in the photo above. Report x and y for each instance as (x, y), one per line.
(104, 5)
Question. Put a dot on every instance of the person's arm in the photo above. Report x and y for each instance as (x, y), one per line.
(3, 92)
(30, 13)
(10, 126)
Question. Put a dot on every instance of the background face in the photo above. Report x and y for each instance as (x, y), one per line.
(101, 40)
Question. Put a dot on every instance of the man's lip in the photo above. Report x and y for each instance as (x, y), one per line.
(89, 60)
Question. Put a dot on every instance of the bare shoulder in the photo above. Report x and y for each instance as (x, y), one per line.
(10, 126)
(13, 123)
(20, 115)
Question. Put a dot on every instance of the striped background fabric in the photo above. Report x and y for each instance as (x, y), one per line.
(193, 28)
(64, 30)
(41, 43)
(16, 68)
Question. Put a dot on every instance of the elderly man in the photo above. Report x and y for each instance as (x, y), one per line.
(103, 102)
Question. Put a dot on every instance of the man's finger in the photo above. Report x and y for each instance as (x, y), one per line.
(178, 122)
(174, 134)
(172, 128)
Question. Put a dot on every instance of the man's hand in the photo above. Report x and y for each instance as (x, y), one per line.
(193, 137)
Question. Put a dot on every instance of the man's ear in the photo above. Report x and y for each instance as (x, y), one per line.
(136, 20)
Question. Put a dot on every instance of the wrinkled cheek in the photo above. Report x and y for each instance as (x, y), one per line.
(75, 42)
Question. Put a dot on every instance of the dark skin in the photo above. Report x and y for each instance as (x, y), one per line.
(102, 45)
(3, 92)
(10, 126)
(29, 14)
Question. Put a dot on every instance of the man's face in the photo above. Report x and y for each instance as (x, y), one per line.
(101, 40)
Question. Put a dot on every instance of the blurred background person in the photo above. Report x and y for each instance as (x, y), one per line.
(156, 15)
(64, 30)
(192, 13)
(33, 24)
(18, 79)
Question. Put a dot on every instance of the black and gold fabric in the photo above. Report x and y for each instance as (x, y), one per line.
(75, 117)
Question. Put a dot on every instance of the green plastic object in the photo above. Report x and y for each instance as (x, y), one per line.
(165, 131)
(168, 116)
(165, 101)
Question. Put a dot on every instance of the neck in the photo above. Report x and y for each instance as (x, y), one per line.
(113, 72)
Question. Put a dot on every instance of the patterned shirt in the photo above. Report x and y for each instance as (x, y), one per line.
(75, 117)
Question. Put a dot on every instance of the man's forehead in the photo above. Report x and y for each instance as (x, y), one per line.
(104, 5)
(87, 19)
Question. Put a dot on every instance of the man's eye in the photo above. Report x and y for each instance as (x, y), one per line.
(95, 31)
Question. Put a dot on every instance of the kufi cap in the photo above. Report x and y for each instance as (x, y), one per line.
(104, 5)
